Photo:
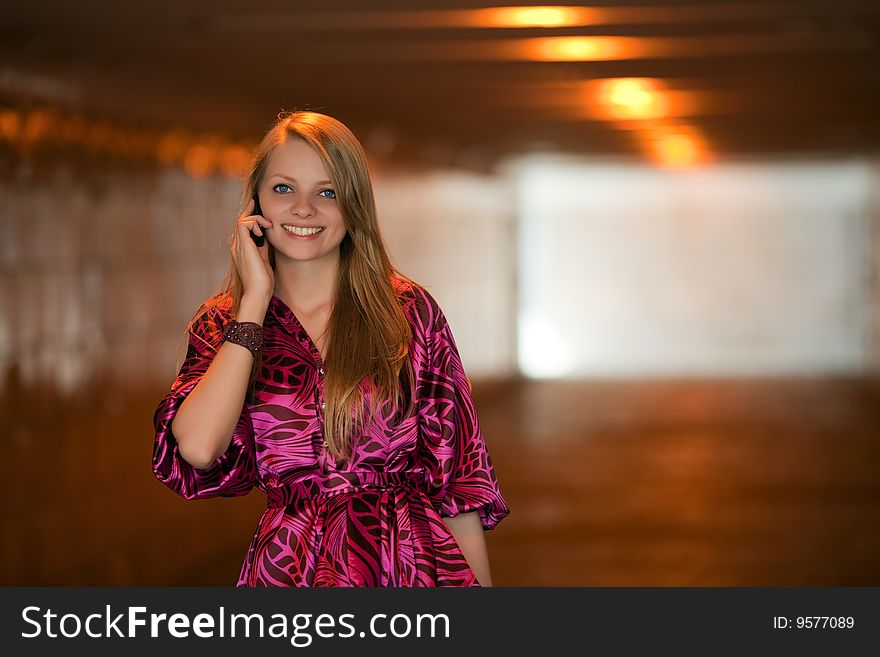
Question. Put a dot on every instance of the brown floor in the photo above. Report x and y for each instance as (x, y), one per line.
(688, 483)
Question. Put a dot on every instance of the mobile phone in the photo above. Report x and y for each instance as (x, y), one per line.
(258, 239)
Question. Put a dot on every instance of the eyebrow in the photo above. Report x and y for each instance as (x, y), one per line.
(281, 175)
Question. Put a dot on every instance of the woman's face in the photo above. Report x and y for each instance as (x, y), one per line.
(296, 194)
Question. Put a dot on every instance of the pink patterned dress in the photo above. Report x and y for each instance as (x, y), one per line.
(373, 520)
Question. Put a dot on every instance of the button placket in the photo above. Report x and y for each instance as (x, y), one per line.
(298, 331)
(319, 400)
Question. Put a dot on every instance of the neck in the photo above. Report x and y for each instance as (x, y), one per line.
(306, 286)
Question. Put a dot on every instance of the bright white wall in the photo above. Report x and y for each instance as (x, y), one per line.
(873, 239)
(753, 268)
(454, 232)
(618, 270)
(103, 276)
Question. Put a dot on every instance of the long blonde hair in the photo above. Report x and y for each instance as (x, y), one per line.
(368, 333)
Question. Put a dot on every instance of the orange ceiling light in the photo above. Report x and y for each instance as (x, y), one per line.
(38, 125)
(235, 159)
(73, 128)
(199, 160)
(677, 150)
(98, 136)
(630, 98)
(550, 16)
(581, 49)
(10, 125)
(172, 147)
(677, 147)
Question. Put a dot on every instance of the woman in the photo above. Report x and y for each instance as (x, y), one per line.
(332, 382)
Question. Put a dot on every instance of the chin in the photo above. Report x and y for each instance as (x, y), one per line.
(304, 256)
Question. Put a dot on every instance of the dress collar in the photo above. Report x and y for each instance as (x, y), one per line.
(282, 313)
(286, 317)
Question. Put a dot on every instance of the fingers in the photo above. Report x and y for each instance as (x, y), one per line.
(248, 210)
(253, 225)
(255, 220)
(253, 229)
(248, 227)
(258, 218)
(251, 261)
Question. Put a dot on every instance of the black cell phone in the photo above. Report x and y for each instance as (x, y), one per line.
(258, 239)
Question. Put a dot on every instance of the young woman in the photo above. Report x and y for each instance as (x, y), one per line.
(332, 382)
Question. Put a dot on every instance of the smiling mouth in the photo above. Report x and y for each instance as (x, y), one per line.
(303, 232)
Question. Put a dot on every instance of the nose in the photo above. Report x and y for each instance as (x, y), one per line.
(302, 206)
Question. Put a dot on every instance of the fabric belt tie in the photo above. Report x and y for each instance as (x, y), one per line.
(344, 482)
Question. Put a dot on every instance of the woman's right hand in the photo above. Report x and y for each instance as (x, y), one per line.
(257, 275)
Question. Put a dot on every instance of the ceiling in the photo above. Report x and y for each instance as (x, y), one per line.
(440, 82)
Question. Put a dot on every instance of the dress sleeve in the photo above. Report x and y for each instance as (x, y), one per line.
(453, 449)
(232, 473)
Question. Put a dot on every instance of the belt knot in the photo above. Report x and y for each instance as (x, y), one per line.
(335, 483)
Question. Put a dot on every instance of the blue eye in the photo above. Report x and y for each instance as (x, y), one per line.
(275, 188)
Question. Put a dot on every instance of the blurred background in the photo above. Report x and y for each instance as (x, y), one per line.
(654, 227)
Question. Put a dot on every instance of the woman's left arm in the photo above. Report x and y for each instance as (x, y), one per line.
(468, 532)
(462, 484)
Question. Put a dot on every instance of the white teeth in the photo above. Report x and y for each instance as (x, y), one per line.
(302, 231)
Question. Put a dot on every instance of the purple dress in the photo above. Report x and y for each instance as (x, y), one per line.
(373, 520)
